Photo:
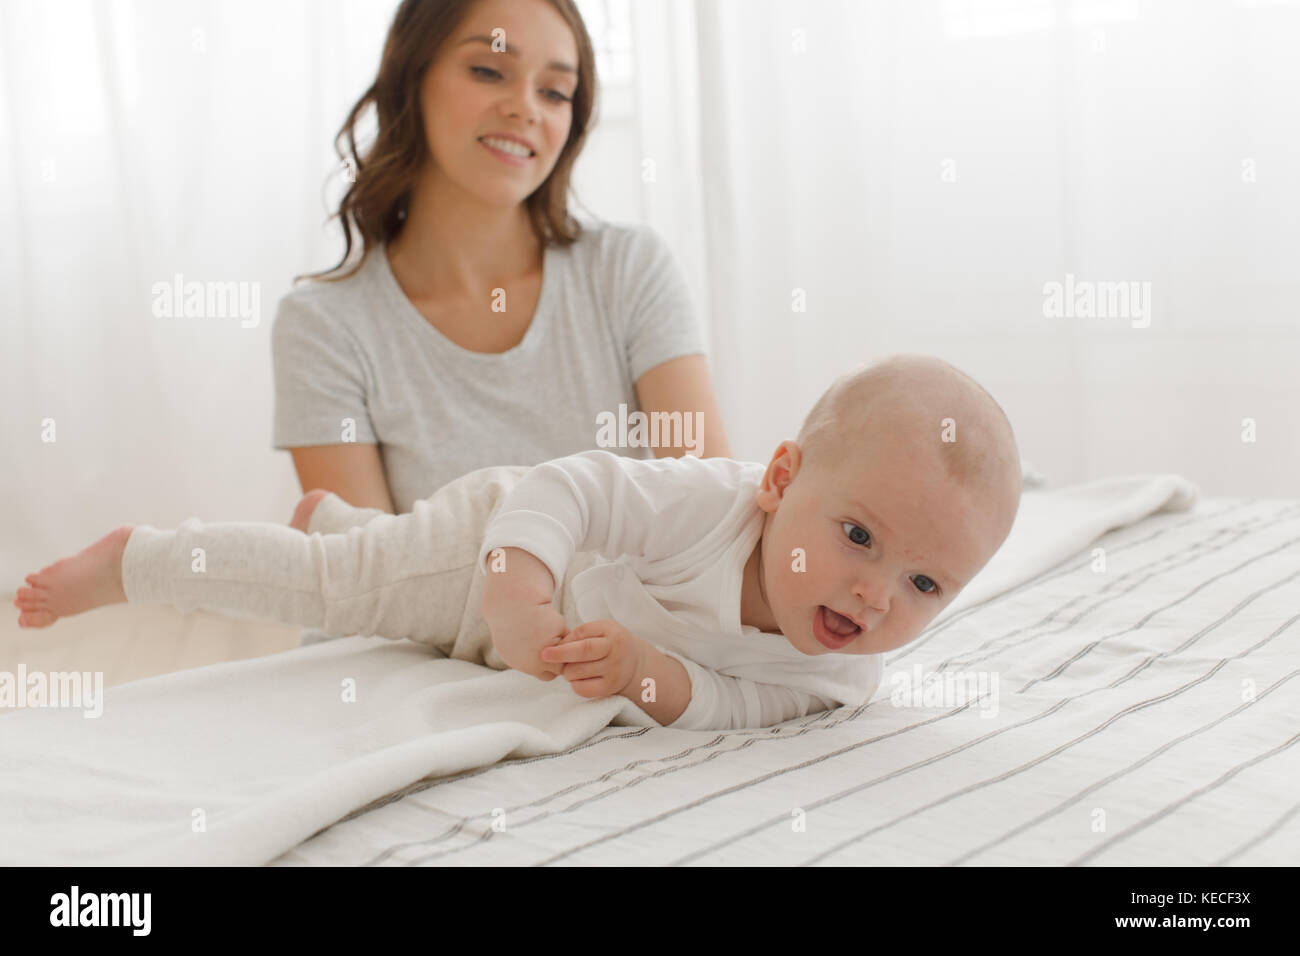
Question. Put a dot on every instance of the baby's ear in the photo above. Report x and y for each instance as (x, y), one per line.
(780, 473)
(767, 499)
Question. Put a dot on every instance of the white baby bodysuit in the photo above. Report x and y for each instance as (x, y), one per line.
(677, 533)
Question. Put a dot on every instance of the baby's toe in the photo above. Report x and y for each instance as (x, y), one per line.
(35, 619)
(41, 579)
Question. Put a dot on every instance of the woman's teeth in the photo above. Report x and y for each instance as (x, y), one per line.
(508, 146)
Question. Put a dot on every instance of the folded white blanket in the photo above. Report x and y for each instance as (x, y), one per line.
(237, 763)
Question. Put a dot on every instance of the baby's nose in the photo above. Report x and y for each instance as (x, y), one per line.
(874, 593)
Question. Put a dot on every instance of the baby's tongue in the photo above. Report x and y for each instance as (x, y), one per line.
(838, 623)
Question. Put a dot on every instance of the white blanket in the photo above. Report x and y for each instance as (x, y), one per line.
(236, 763)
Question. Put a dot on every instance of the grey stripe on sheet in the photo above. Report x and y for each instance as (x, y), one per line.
(1066, 568)
(1088, 648)
(1259, 838)
(1142, 761)
(1199, 791)
(613, 733)
(1249, 599)
(750, 738)
(971, 788)
(1193, 551)
(1133, 708)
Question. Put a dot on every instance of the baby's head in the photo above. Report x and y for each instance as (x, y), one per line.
(903, 482)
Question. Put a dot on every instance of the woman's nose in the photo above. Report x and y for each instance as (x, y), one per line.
(519, 101)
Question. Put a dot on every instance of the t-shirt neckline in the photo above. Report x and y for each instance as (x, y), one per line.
(528, 343)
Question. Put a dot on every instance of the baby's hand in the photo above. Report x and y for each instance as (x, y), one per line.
(598, 659)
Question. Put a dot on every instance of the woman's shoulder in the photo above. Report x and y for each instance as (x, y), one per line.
(611, 245)
(317, 302)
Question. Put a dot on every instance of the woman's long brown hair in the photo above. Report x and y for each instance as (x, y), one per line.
(377, 200)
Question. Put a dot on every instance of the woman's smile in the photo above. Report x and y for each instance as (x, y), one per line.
(500, 152)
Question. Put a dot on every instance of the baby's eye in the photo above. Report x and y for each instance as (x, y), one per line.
(855, 534)
(930, 590)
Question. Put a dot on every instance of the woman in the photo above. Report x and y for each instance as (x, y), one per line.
(483, 325)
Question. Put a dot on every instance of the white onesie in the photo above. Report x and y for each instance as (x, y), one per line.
(678, 532)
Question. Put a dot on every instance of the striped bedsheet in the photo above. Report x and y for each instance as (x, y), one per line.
(1137, 705)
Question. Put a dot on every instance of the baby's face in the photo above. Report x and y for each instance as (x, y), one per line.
(881, 537)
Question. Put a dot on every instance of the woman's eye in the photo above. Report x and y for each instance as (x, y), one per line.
(931, 589)
(555, 96)
(855, 534)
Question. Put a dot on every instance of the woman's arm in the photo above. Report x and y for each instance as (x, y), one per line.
(683, 385)
(354, 472)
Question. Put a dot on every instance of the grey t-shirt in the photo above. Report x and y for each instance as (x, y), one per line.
(612, 306)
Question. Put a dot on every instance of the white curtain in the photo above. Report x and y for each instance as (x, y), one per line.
(916, 170)
(141, 142)
(919, 172)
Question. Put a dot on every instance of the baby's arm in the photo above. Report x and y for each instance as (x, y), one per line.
(717, 701)
(725, 702)
(672, 685)
(602, 659)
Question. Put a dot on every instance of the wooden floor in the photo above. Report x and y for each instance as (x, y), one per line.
(131, 641)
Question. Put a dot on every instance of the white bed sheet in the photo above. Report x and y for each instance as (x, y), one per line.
(1125, 734)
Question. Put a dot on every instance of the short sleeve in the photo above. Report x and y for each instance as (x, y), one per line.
(320, 383)
(661, 321)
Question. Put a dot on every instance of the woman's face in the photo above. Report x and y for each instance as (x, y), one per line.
(522, 89)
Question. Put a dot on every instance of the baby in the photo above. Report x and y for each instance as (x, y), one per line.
(715, 594)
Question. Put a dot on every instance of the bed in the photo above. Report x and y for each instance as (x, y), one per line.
(1121, 689)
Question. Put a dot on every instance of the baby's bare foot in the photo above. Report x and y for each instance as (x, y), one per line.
(302, 514)
(87, 580)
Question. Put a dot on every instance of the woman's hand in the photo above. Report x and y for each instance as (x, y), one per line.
(598, 659)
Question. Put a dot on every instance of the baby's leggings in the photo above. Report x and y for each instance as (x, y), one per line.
(360, 571)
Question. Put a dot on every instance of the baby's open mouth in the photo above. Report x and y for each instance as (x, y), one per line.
(837, 623)
(834, 629)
